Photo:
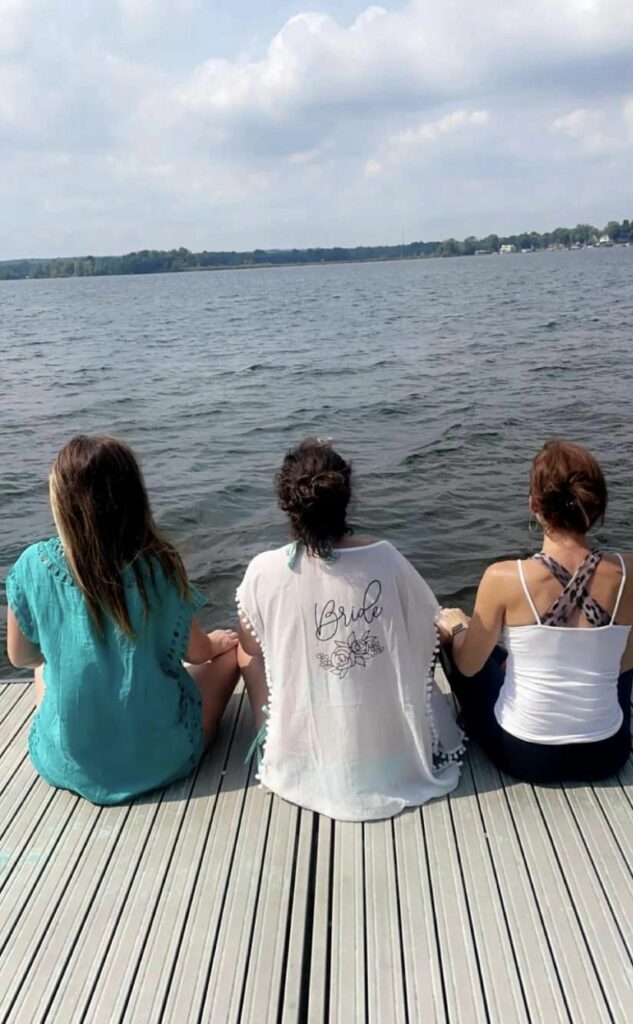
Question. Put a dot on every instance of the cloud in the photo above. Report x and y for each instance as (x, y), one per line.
(596, 131)
(431, 131)
(421, 54)
(420, 140)
(136, 119)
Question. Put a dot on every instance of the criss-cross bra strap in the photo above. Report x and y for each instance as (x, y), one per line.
(575, 592)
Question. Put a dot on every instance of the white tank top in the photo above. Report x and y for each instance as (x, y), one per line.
(561, 682)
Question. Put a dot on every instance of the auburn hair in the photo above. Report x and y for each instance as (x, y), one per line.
(314, 490)
(568, 487)
(105, 523)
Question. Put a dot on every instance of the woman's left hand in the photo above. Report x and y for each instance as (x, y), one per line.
(222, 640)
(447, 620)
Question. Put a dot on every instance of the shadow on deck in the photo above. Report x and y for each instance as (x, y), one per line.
(214, 901)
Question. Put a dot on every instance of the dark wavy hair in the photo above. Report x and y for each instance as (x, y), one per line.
(568, 487)
(314, 490)
(104, 519)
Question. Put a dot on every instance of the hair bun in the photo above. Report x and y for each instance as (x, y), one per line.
(568, 486)
(326, 482)
(560, 502)
(314, 488)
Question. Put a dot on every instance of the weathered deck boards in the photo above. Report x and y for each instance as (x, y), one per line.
(213, 901)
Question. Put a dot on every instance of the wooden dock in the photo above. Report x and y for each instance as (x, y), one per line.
(213, 901)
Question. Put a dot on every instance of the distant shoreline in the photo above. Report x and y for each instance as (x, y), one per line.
(150, 261)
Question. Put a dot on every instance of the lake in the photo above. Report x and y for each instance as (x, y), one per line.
(439, 379)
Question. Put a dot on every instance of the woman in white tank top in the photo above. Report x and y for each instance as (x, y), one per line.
(554, 703)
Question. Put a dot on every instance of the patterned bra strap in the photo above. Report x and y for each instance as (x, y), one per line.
(575, 592)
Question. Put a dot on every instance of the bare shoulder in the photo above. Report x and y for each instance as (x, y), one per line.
(613, 560)
(498, 583)
(500, 572)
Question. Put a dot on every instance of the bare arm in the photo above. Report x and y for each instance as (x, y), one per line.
(22, 653)
(207, 646)
(251, 664)
(626, 614)
(473, 647)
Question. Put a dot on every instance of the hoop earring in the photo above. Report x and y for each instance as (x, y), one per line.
(532, 523)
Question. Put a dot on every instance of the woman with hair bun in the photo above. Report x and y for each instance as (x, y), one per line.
(337, 649)
(561, 708)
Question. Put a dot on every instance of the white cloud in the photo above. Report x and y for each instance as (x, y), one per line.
(326, 133)
(420, 140)
(433, 130)
(594, 130)
(151, 10)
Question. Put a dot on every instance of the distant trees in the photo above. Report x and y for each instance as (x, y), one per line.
(155, 261)
(450, 247)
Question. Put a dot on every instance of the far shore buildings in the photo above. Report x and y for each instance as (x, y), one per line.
(505, 249)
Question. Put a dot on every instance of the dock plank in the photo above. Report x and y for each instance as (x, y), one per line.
(501, 981)
(10, 695)
(574, 964)
(149, 991)
(189, 977)
(24, 807)
(386, 984)
(69, 997)
(607, 850)
(420, 940)
(617, 811)
(225, 987)
(17, 715)
(67, 921)
(108, 1001)
(460, 970)
(17, 777)
(299, 923)
(319, 962)
(347, 982)
(535, 959)
(24, 920)
(263, 989)
(596, 918)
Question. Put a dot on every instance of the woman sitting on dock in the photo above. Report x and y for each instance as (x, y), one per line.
(337, 648)
(559, 708)
(104, 613)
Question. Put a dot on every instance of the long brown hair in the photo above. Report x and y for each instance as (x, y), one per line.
(568, 487)
(314, 487)
(102, 513)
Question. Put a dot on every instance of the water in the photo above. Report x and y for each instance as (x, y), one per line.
(439, 379)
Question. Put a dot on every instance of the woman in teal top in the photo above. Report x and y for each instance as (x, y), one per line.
(105, 615)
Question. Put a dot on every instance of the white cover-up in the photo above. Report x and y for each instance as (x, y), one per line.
(357, 728)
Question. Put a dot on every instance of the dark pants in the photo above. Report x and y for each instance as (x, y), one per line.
(535, 762)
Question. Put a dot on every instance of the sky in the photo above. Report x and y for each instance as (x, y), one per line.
(131, 124)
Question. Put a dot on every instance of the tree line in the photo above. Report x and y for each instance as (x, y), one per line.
(154, 261)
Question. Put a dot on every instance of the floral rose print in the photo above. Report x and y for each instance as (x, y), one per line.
(351, 653)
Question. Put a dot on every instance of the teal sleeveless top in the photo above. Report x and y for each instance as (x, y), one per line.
(120, 716)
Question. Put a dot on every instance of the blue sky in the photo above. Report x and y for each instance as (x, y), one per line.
(156, 123)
